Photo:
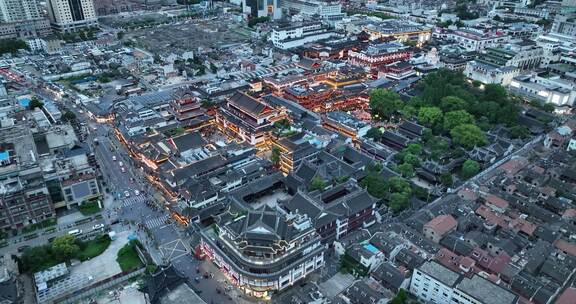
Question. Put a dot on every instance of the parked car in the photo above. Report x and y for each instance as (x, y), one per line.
(97, 226)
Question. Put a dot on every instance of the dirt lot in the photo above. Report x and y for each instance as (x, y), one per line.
(209, 32)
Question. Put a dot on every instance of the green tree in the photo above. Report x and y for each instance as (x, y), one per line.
(282, 124)
(453, 103)
(411, 159)
(158, 59)
(409, 112)
(468, 136)
(374, 133)
(374, 167)
(464, 13)
(65, 246)
(544, 22)
(495, 92)
(384, 103)
(430, 116)
(38, 258)
(399, 201)
(456, 118)
(398, 184)
(68, 116)
(491, 110)
(275, 156)
(414, 149)
(437, 148)
(519, 132)
(410, 154)
(253, 21)
(376, 185)
(406, 170)
(446, 179)
(317, 184)
(35, 103)
(400, 297)
(509, 114)
(12, 46)
(548, 107)
(470, 168)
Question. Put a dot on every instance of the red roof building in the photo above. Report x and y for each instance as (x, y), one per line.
(440, 226)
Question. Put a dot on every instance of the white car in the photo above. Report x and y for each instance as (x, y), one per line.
(114, 157)
(75, 232)
(136, 192)
(97, 226)
(123, 169)
(126, 193)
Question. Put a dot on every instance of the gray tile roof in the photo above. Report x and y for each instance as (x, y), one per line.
(440, 273)
(485, 291)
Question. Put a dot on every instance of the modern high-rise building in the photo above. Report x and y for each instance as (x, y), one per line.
(19, 10)
(71, 15)
(261, 8)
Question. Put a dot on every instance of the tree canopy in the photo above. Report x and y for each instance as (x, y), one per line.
(430, 116)
(65, 246)
(384, 103)
(68, 116)
(468, 136)
(317, 184)
(35, 103)
(275, 156)
(374, 133)
(456, 118)
(519, 132)
(12, 45)
(453, 103)
(406, 170)
(470, 168)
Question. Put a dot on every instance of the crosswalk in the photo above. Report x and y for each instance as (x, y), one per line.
(156, 222)
(133, 200)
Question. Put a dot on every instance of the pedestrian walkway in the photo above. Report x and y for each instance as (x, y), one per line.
(156, 222)
(127, 202)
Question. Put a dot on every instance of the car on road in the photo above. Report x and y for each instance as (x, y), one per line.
(75, 232)
(97, 226)
(136, 192)
(114, 157)
(127, 193)
(121, 164)
(123, 169)
(23, 248)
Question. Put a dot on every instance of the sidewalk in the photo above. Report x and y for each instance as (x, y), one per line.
(149, 244)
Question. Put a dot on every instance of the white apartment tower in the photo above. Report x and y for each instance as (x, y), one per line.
(19, 10)
(71, 15)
